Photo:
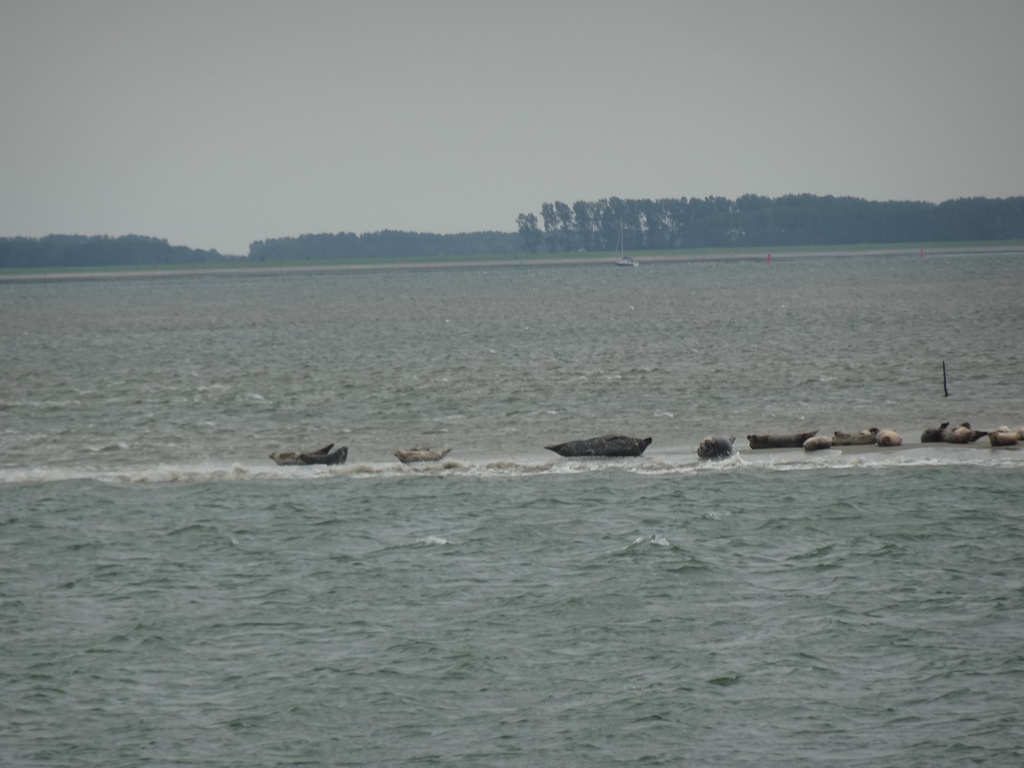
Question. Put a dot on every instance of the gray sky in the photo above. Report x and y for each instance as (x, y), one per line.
(213, 123)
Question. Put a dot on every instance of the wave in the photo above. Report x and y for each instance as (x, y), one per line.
(791, 460)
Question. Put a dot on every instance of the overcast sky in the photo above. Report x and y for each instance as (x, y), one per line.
(213, 123)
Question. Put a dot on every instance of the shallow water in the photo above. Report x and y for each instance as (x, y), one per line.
(169, 596)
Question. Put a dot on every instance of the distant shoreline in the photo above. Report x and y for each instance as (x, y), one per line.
(143, 271)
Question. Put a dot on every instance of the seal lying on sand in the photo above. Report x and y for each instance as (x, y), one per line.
(421, 454)
(963, 434)
(888, 437)
(606, 445)
(864, 437)
(779, 441)
(322, 456)
(817, 443)
(935, 434)
(1004, 436)
(715, 447)
(945, 434)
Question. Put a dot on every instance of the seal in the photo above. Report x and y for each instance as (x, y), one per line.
(817, 443)
(963, 434)
(421, 454)
(779, 441)
(935, 434)
(606, 445)
(888, 437)
(864, 437)
(1004, 436)
(321, 456)
(715, 447)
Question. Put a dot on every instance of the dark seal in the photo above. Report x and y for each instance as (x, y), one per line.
(935, 434)
(321, 456)
(715, 447)
(606, 445)
(779, 441)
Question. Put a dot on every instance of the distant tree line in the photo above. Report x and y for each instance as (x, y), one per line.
(750, 221)
(755, 221)
(93, 251)
(383, 245)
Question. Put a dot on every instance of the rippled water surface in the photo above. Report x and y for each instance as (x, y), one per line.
(170, 596)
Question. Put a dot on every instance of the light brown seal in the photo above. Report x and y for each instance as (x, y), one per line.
(1004, 436)
(864, 437)
(888, 437)
(421, 454)
(963, 434)
(817, 443)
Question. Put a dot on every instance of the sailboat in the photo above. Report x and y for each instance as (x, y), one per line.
(624, 260)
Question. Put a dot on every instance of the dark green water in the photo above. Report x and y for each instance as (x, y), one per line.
(169, 596)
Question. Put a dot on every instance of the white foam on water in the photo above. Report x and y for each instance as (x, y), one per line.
(433, 541)
(783, 460)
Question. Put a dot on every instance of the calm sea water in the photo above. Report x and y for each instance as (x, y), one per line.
(170, 596)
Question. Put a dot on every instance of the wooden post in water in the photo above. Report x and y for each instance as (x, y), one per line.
(944, 387)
